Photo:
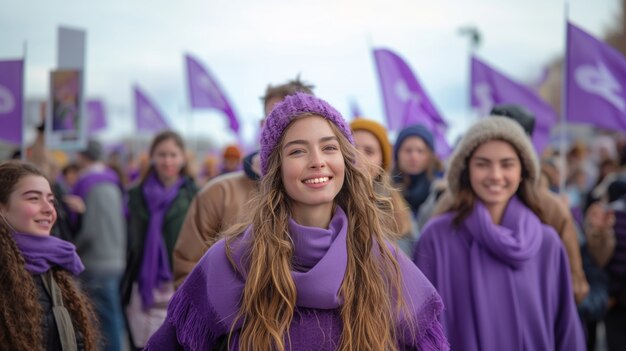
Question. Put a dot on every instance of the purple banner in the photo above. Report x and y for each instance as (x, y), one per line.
(400, 86)
(415, 115)
(11, 101)
(205, 92)
(96, 116)
(490, 87)
(596, 79)
(355, 111)
(147, 116)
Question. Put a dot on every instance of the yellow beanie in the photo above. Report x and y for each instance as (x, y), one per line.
(380, 132)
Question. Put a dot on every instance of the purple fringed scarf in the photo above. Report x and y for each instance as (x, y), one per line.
(516, 240)
(155, 265)
(44, 252)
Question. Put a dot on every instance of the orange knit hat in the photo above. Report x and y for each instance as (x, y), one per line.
(380, 132)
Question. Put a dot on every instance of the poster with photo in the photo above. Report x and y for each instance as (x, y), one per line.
(65, 127)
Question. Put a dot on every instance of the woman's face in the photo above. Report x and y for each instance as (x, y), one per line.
(369, 146)
(495, 172)
(168, 159)
(312, 164)
(413, 156)
(30, 209)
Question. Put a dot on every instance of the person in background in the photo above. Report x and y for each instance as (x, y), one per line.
(502, 274)
(311, 268)
(222, 201)
(371, 140)
(42, 307)
(157, 208)
(415, 161)
(231, 159)
(101, 240)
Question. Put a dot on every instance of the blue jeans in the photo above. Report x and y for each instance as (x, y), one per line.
(104, 291)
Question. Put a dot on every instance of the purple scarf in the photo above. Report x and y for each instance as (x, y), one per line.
(44, 252)
(515, 241)
(86, 182)
(155, 266)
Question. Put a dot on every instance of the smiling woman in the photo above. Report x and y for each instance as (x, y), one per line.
(311, 267)
(35, 270)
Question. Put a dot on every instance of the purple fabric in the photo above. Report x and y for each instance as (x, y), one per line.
(595, 80)
(96, 116)
(285, 111)
(155, 265)
(44, 252)
(147, 116)
(11, 90)
(205, 92)
(505, 287)
(399, 87)
(86, 182)
(415, 115)
(490, 87)
(617, 265)
(355, 111)
(205, 306)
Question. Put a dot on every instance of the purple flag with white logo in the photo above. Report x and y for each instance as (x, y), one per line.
(400, 86)
(205, 92)
(11, 87)
(596, 81)
(415, 115)
(147, 116)
(490, 87)
(96, 116)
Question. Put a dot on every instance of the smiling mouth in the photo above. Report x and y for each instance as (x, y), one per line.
(317, 180)
(44, 222)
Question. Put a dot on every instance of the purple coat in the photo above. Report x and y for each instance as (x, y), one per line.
(505, 287)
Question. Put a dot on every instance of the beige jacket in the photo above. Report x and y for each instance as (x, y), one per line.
(216, 207)
(557, 216)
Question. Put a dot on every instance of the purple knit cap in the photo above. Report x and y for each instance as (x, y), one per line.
(284, 112)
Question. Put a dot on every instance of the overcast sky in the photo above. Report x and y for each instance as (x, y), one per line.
(248, 44)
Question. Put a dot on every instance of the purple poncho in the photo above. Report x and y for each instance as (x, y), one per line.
(505, 287)
(205, 306)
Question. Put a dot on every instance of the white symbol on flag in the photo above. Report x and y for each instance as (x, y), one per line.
(599, 80)
(205, 84)
(7, 101)
(482, 92)
(403, 93)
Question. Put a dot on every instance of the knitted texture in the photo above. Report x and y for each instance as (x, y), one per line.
(492, 128)
(379, 131)
(416, 130)
(291, 107)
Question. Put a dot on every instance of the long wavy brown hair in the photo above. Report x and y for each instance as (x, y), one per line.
(464, 201)
(21, 321)
(371, 289)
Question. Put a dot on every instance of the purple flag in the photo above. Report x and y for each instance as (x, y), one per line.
(596, 79)
(96, 116)
(147, 116)
(415, 115)
(205, 92)
(399, 86)
(490, 87)
(355, 111)
(11, 87)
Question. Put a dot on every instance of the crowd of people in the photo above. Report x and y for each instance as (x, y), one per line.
(328, 237)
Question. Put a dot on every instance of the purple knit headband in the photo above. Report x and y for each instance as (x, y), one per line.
(291, 107)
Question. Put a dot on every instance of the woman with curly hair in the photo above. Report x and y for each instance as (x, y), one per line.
(311, 269)
(41, 306)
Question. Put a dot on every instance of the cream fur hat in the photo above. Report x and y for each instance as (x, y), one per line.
(487, 129)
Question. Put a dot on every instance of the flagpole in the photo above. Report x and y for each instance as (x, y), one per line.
(474, 41)
(22, 141)
(564, 91)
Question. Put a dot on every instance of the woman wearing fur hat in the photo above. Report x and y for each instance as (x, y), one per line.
(414, 158)
(41, 306)
(371, 140)
(503, 275)
(311, 268)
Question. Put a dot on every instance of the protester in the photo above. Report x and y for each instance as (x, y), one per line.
(101, 240)
(502, 274)
(222, 201)
(231, 159)
(42, 307)
(371, 140)
(157, 208)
